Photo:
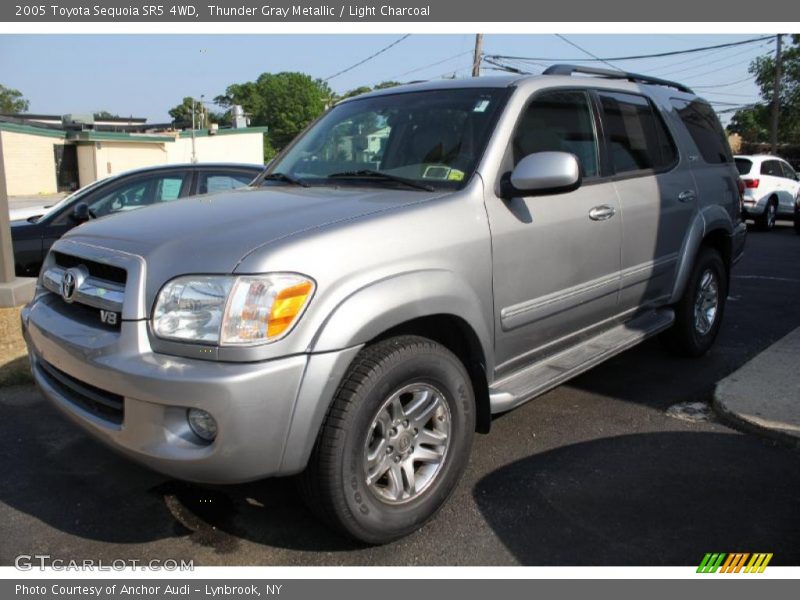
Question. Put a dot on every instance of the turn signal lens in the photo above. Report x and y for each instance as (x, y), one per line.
(263, 308)
(287, 305)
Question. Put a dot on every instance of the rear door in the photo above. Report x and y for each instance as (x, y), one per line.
(657, 196)
(772, 180)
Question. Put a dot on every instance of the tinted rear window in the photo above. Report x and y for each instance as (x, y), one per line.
(744, 165)
(637, 137)
(702, 123)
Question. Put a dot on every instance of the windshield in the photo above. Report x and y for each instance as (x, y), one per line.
(421, 140)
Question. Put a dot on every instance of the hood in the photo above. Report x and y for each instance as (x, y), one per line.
(212, 234)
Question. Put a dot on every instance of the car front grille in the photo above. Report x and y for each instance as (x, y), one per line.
(97, 288)
(100, 403)
(97, 270)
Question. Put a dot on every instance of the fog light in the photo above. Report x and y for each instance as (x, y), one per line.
(202, 424)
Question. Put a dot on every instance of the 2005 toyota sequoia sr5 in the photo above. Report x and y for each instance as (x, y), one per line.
(420, 259)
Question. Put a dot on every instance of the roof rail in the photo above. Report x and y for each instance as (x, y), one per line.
(570, 69)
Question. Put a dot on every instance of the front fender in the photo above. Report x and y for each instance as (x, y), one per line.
(389, 302)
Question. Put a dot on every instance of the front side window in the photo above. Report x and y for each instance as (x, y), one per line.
(559, 121)
(434, 139)
(637, 137)
(139, 193)
(788, 171)
(703, 126)
(212, 182)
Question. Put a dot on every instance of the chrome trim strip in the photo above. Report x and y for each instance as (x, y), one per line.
(93, 292)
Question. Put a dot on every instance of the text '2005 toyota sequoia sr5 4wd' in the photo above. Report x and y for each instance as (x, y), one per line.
(420, 259)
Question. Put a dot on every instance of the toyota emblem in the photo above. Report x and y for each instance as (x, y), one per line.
(69, 283)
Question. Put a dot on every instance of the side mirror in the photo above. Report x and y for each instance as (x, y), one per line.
(545, 172)
(81, 213)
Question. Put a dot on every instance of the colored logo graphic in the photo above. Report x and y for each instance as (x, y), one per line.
(734, 563)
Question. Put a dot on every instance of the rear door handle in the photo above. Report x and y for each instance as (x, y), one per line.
(687, 196)
(602, 212)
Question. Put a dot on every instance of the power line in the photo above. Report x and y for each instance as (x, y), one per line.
(712, 62)
(721, 85)
(636, 57)
(585, 51)
(370, 57)
(433, 64)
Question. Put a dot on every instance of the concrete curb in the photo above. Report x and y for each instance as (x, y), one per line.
(741, 423)
(763, 396)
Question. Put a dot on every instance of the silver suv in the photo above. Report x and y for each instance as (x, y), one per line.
(420, 259)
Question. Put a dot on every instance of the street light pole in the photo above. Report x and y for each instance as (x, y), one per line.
(194, 149)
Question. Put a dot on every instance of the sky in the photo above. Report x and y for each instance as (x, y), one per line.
(146, 75)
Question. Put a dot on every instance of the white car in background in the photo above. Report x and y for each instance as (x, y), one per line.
(771, 189)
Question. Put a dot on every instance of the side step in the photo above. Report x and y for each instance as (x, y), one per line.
(527, 383)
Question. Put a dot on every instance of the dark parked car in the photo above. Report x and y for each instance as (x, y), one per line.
(33, 237)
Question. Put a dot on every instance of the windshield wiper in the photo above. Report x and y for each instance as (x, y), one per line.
(286, 178)
(380, 175)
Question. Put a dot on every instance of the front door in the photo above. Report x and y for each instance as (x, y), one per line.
(555, 268)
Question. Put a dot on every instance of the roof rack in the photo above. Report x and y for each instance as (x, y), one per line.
(635, 77)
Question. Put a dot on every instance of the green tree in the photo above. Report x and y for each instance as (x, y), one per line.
(182, 113)
(283, 102)
(12, 101)
(104, 114)
(763, 68)
(752, 123)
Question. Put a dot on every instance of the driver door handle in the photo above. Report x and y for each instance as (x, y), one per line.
(687, 196)
(602, 212)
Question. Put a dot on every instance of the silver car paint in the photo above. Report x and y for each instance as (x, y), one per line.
(528, 276)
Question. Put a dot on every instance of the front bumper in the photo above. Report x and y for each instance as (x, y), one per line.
(268, 413)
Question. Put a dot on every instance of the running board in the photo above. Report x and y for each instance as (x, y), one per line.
(536, 379)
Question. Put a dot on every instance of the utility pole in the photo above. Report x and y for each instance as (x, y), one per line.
(476, 57)
(776, 92)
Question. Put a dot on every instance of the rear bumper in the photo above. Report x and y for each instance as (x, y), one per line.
(267, 413)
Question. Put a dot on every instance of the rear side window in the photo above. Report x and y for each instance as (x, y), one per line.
(743, 165)
(637, 137)
(702, 124)
(772, 168)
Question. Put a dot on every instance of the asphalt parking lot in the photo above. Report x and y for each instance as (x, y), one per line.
(593, 473)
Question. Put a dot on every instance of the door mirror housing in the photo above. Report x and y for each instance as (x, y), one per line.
(544, 173)
(81, 213)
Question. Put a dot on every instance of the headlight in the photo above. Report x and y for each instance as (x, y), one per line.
(229, 310)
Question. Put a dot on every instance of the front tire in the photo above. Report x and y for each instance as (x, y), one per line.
(698, 314)
(395, 442)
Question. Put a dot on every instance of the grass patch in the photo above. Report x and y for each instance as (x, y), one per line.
(14, 366)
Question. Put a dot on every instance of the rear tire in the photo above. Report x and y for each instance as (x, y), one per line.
(698, 314)
(797, 215)
(395, 441)
(766, 220)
